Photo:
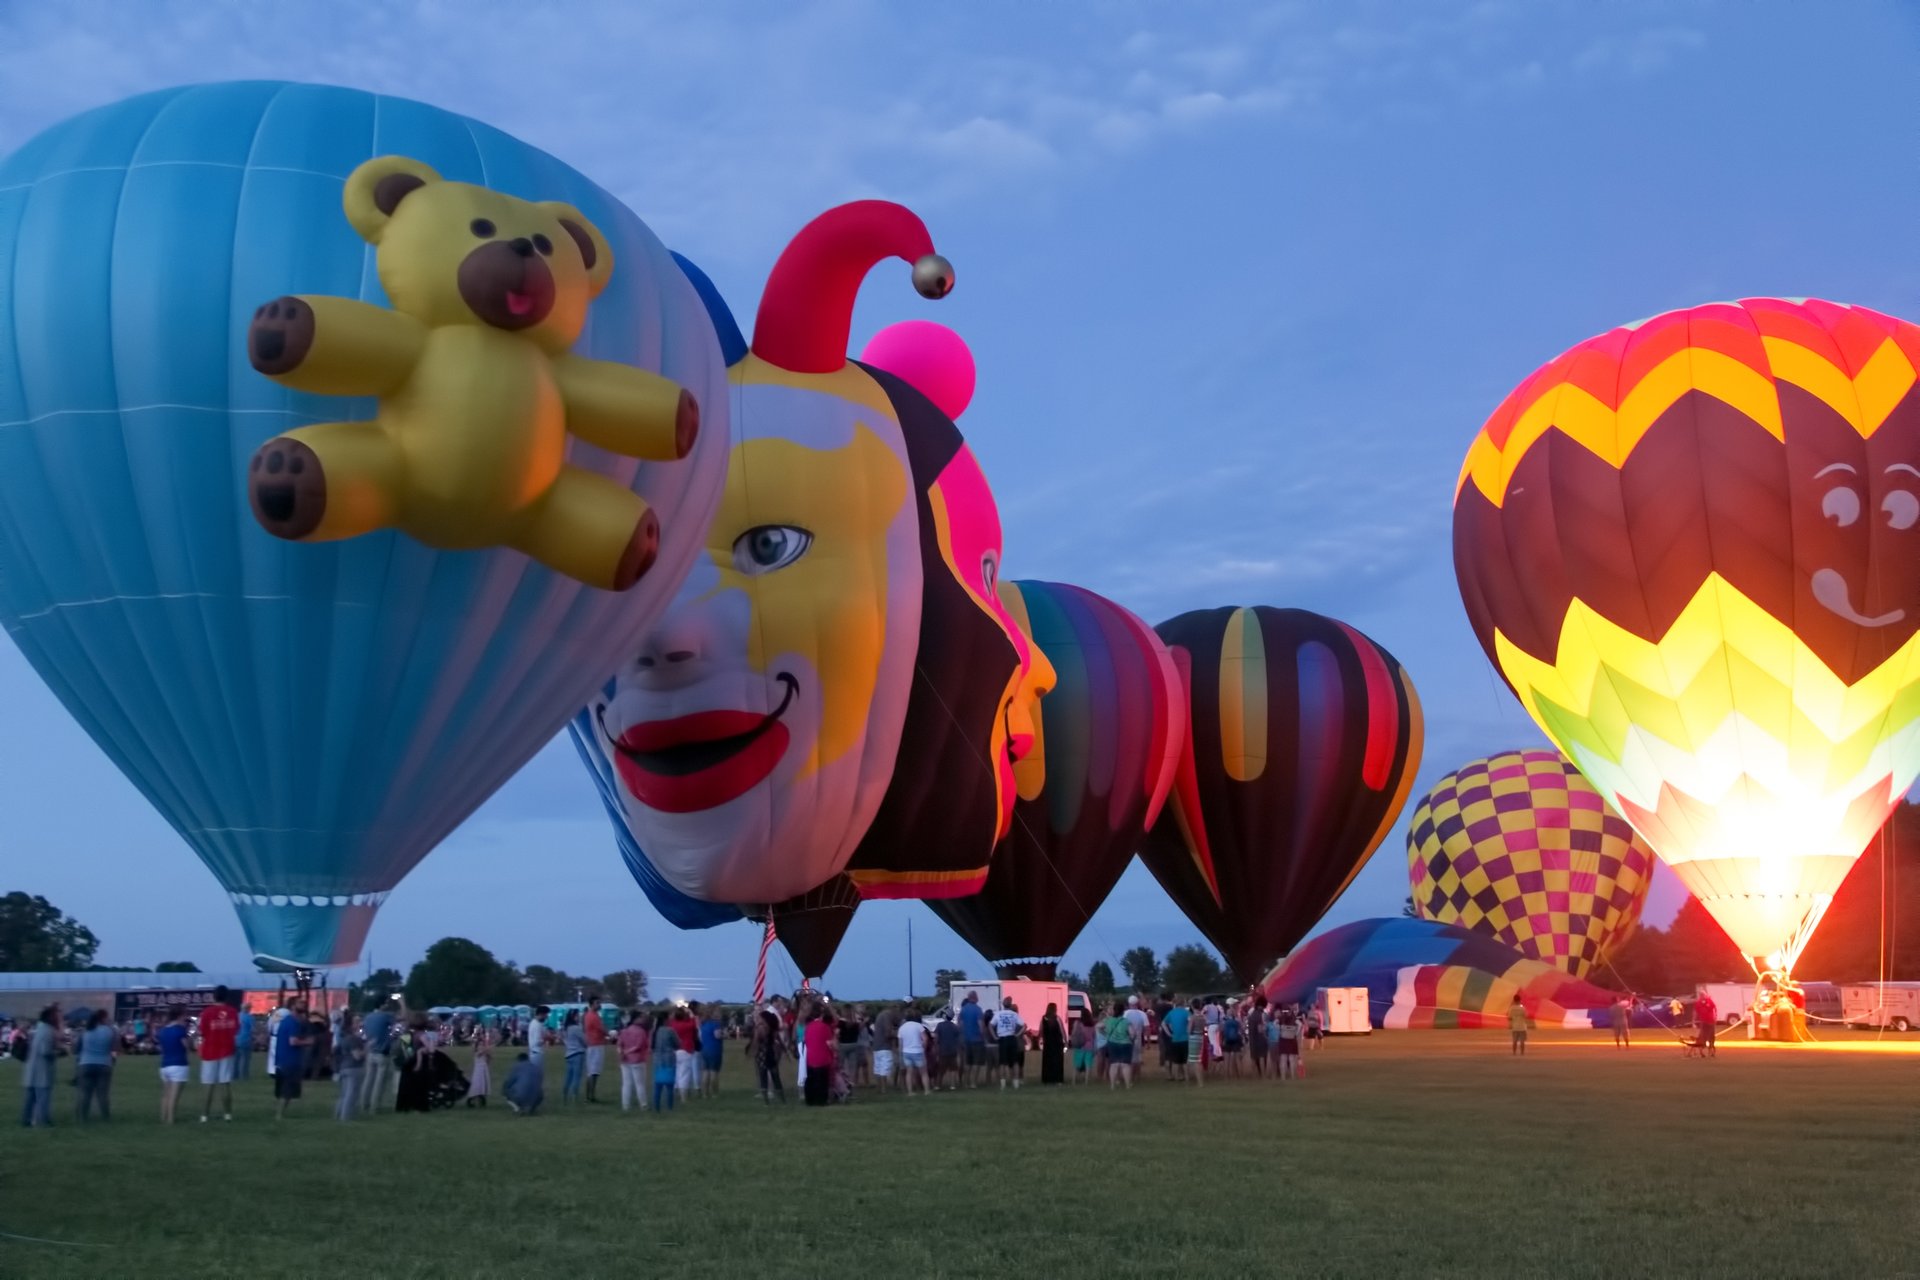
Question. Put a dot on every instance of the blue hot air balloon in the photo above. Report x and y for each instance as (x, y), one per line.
(312, 718)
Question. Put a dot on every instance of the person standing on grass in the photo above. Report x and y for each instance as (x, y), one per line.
(1258, 1026)
(36, 1085)
(1622, 1012)
(1286, 1037)
(481, 1085)
(973, 1036)
(573, 1043)
(712, 1053)
(1080, 1043)
(665, 1049)
(1316, 1027)
(1231, 1041)
(539, 1034)
(913, 1053)
(377, 1030)
(634, 1043)
(349, 1065)
(1517, 1024)
(1137, 1016)
(99, 1046)
(1198, 1045)
(686, 1054)
(290, 1041)
(1011, 1032)
(846, 1033)
(171, 1043)
(594, 1029)
(1174, 1026)
(242, 1043)
(816, 1042)
(1706, 1021)
(219, 1030)
(951, 1046)
(766, 1047)
(1053, 1046)
(1119, 1035)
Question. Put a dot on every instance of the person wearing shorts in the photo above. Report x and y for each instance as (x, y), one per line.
(290, 1041)
(1117, 1031)
(219, 1027)
(973, 1036)
(1010, 1031)
(712, 1053)
(171, 1041)
(595, 1028)
(1083, 1037)
(914, 1035)
(1175, 1025)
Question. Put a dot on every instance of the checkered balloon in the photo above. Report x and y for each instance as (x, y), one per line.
(1520, 847)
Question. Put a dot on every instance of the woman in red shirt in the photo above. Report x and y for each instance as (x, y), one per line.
(818, 1046)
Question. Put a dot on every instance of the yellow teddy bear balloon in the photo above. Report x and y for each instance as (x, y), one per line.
(477, 389)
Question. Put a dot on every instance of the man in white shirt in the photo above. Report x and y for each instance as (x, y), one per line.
(913, 1052)
(1137, 1019)
(1010, 1030)
(537, 1036)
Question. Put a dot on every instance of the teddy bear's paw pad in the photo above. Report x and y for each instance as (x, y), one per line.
(287, 487)
(641, 550)
(686, 424)
(280, 336)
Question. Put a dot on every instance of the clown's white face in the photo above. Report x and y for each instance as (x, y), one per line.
(755, 729)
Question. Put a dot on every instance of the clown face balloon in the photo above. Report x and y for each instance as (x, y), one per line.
(838, 687)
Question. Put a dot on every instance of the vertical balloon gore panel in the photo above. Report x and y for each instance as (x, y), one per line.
(1303, 740)
(312, 718)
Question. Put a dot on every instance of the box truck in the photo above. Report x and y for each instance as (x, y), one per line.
(1893, 1005)
(1030, 999)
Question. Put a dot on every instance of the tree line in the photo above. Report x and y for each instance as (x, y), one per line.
(459, 971)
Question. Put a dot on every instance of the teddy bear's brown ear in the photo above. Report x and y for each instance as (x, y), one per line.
(594, 249)
(376, 188)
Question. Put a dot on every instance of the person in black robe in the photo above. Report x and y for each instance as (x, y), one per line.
(1053, 1047)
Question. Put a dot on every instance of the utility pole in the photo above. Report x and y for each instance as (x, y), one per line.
(909, 957)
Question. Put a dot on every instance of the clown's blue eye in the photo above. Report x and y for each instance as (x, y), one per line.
(767, 547)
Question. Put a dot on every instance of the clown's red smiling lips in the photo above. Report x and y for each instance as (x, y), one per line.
(702, 760)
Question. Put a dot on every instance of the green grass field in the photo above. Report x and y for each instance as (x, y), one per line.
(1404, 1154)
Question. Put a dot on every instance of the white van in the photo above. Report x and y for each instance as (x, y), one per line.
(1893, 1005)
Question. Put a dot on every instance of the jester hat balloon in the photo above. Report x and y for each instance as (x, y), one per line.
(1520, 847)
(833, 672)
(1692, 548)
(1303, 737)
(1109, 737)
(312, 719)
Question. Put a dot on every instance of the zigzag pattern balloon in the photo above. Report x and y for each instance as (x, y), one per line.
(1692, 547)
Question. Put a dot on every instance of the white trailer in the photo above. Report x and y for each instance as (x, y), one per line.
(1731, 1000)
(1344, 1011)
(1893, 1005)
(1030, 1000)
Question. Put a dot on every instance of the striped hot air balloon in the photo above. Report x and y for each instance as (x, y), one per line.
(1108, 739)
(1303, 737)
(1520, 847)
(1692, 547)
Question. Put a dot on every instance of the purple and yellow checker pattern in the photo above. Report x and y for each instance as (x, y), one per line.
(1520, 847)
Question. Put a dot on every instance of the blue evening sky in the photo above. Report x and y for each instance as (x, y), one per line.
(1242, 281)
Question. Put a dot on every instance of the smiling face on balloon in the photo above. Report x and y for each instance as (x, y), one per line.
(1856, 514)
(755, 728)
